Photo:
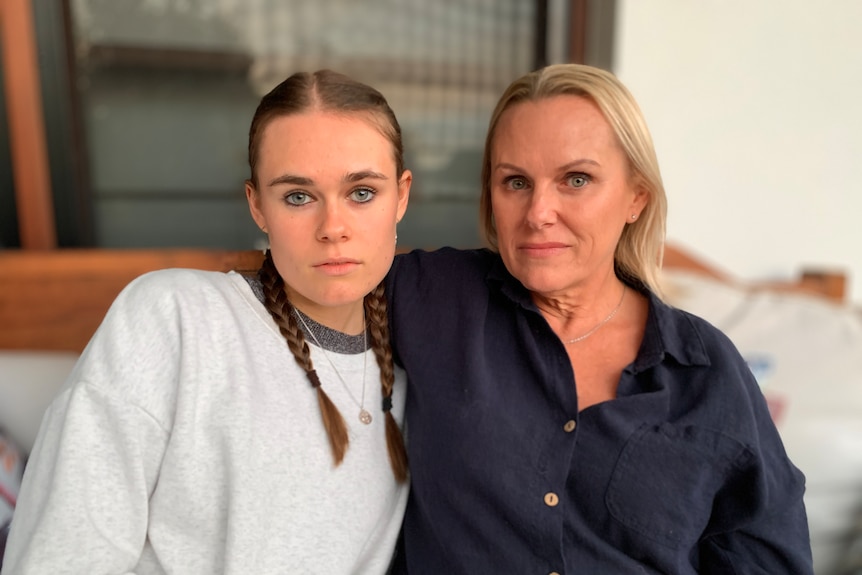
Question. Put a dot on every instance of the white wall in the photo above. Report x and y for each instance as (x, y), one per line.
(756, 111)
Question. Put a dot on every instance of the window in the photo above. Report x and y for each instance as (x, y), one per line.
(168, 88)
(147, 103)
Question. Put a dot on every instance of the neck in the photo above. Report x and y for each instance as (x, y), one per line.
(589, 301)
(347, 318)
(350, 322)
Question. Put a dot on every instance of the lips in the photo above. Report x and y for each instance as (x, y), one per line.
(543, 249)
(336, 266)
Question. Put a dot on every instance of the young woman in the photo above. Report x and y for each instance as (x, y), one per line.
(223, 424)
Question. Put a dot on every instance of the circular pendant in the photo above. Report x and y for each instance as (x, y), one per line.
(364, 416)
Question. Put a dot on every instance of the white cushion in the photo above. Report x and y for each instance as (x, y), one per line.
(29, 380)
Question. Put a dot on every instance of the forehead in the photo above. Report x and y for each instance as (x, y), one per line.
(324, 140)
(559, 120)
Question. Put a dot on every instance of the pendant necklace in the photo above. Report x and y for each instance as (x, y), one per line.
(601, 323)
(364, 415)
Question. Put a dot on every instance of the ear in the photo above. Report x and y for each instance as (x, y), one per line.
(640, 199)
(253, 197)
(403, 193)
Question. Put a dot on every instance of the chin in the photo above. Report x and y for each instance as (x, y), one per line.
(344, 294)
(543, 283)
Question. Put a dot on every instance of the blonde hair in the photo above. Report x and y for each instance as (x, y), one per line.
(639, 251)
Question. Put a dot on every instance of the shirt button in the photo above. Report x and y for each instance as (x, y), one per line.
(570, 426)
(551, 499)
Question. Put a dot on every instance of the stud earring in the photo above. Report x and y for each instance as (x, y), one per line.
(634, 216)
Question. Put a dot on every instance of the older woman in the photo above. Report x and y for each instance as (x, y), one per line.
(561, 417)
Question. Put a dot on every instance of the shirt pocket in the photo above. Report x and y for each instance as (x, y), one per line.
(665, 482)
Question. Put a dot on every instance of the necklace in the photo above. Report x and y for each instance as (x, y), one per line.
(601, 323)
(364, 416)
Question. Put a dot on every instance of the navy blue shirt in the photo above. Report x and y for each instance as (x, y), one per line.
(684, 472)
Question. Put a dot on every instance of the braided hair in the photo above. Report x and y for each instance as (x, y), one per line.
(328, 90)
(281, 310)
(378, 328)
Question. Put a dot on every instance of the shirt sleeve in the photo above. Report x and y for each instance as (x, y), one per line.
(83, 506)
(84, 502)
(778, 544)
(759, 522)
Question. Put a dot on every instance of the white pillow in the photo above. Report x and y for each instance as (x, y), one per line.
(29, 380)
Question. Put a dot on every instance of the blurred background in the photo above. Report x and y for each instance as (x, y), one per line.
(147, 103)
(123, 124)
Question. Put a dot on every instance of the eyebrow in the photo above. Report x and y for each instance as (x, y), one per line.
(564, 167)
(364, 175)
(292, 180)
(303, 181)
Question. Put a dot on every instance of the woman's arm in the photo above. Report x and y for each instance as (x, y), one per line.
(83, 506)
(775, 544)
(759, 523)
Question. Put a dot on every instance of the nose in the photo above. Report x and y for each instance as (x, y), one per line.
(333, 223)
(542, 206)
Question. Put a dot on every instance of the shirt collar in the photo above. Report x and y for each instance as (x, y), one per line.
(499, 278)
(669, 331)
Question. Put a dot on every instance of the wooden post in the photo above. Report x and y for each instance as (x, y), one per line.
(577, 31)
(30, 171)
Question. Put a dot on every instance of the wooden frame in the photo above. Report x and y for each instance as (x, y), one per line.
(55, 300)
(31, 175)
(578, 31)
(827, 284)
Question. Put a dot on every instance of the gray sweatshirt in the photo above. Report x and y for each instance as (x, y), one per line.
(188, 441)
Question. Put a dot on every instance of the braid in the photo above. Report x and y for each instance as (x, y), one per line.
(281, 310)
(378, 328)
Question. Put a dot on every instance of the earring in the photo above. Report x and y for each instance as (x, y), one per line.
(396, 238)
(634, 216)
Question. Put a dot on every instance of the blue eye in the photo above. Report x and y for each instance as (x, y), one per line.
(516, 183)
(362, 195)
(578, 180)
(297, 198)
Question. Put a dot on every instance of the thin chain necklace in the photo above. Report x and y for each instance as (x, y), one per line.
(601, 323)
(364, 416)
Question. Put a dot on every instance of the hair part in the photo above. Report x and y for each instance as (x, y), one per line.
(638, 254)
(324, 90)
